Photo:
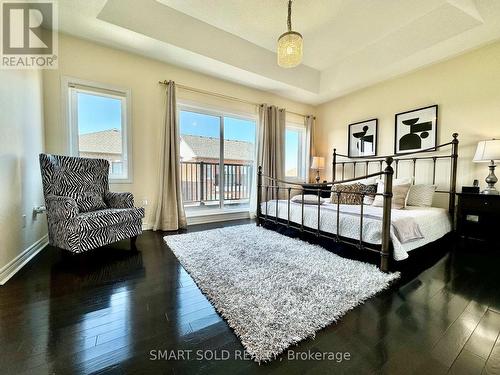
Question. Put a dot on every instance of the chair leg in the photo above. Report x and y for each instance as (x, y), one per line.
(133, 241)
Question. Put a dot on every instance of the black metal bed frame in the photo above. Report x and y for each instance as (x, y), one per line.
(385, 249)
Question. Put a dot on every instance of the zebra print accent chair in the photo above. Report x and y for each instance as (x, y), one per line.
(82, 213)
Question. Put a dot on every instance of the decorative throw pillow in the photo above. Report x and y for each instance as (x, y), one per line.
(421, 195)
(398, 181)
(308, 199)
(350, 193)
(90, 201)
(399, 194)
(370, 191)
(401, 181)
(365, 181)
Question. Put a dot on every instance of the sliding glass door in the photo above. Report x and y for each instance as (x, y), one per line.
(239, 150)
(212, 142)
(200, 160)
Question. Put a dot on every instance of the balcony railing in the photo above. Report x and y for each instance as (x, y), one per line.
(200, 182)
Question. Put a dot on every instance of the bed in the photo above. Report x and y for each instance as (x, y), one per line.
(433, 222)
(392, 233)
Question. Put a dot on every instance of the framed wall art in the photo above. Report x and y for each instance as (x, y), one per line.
(416, 130)
(362, 140)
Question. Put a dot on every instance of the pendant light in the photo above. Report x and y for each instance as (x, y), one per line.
(290, 44)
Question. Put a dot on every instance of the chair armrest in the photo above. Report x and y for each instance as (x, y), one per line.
(61, 208)
(119, 200)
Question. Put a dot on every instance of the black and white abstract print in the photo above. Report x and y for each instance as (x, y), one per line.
(416, 130)
(363, 138)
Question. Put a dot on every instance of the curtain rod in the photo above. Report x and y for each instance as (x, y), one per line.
(222, 96)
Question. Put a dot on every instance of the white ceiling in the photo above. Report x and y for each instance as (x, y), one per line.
(262, 21)
(348, 44)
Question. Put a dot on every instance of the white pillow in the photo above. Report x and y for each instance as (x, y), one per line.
(395, 182)
(308, 199)
(399, 191)
(399, 181)
(421, 195)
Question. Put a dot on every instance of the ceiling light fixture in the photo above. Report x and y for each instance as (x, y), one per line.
(290, 44)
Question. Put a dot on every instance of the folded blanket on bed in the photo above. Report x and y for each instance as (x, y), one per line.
(406, 229)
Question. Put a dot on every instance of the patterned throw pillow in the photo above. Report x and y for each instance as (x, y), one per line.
(370, 191)
(399, 195)
(90, 201)
(421, 195)
(347, 196)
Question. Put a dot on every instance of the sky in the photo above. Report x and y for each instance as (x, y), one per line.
(205, 125)
(97, 113)
(292, 145)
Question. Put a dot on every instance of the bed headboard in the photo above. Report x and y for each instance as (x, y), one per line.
(411, 157)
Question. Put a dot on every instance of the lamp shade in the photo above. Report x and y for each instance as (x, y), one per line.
(487, 151)
(318, 162)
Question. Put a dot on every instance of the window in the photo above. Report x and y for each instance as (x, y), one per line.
(213, 141)
(99, 126)
(295, 151)
(117, 168)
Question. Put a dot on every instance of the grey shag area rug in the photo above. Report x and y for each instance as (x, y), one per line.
(274, 291)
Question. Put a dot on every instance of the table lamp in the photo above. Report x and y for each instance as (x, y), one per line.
(318, 163)
(489, 151)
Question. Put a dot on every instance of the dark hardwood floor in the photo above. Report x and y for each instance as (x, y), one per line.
(112, 310)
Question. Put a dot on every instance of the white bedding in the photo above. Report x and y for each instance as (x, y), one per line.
(433, 222)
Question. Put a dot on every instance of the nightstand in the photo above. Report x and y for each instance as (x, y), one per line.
(478, 216)
(325, 192)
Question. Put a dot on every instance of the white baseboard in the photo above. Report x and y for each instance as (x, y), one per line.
(18, 262)
(209, 218)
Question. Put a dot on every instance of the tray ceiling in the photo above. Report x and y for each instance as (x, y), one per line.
(348, 44)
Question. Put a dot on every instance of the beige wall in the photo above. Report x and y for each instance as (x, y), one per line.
(21, 124)
(90, 61)
(466, 88)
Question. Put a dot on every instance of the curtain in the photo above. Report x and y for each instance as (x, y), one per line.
(170, 208)
(271, 143)
(310, 150)
(270, 147)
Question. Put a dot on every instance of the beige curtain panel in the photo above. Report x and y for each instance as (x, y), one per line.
(271, 142)
(170, 213)
(309, 123)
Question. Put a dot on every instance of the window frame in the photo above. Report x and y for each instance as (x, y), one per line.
(214, 110)
(301, 152)
(70, 85)
(221, 113)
